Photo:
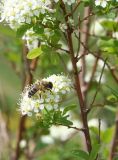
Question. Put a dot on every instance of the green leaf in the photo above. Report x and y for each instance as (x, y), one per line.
(46, 48)
(110, 25)
(55, 37)
(21, 31)
(111, 108)
(81, 154)
(94, 152)
(14, 57)
(34, 53)
(38, 29)
(112, 98)
(68, 108)
(109, 45)
(106, 137)
(60, 119)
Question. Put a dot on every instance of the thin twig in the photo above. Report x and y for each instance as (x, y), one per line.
(65, 50)
(92, 14)
(99, 131)
(74, 9)
(112, 70)
(98, 87)
(73, 127)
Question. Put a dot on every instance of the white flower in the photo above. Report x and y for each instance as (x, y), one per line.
(115, 35)
(23, 143)
(48, 99)
(102, 3)
(47, 139)
(63, 27)
(96, 27)
(71, 21)
(69, 2)
(31, 39)
(19, 12)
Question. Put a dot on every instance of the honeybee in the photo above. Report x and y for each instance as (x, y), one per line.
(40, 86)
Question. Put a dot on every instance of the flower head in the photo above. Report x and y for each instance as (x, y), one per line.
(19, 12)
(45, 98)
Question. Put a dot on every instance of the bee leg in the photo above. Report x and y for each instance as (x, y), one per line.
(40, 95)
(49, 90)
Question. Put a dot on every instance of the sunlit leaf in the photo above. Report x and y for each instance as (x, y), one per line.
(34, 53)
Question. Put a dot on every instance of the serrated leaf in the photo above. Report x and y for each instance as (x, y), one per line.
(68, 108)
(34, 53)
(81, 154)
(94, 152)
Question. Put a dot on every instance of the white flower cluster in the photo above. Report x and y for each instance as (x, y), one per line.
(102, 3)
(50, 99)
(31, 39)
(19, 12)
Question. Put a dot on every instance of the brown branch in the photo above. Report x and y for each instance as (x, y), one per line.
(77, 82)
(83, 51)
(33, 64)
(27, 79)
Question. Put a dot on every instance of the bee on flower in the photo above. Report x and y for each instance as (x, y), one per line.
(45, 94)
